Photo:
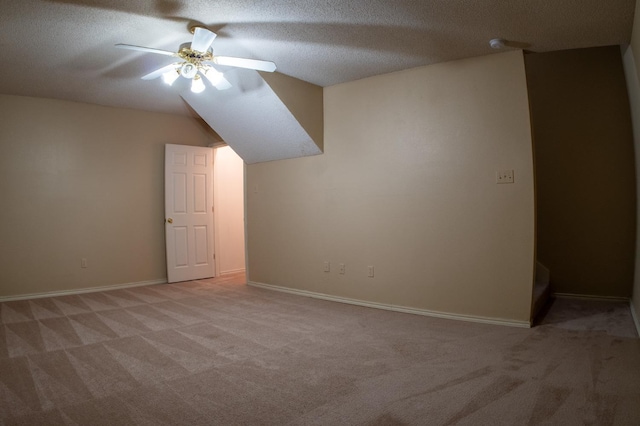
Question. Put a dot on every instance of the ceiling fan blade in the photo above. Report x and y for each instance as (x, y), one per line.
(202, 39)
(157, 73)
(253, 64)
(145, 49)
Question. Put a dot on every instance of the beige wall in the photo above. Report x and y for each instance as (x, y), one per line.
(407, 184)
(228, 189)
(585, 175)
(78, 181)
(632, 72)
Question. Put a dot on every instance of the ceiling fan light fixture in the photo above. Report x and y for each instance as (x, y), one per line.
(197, 85)
(214, 76)
(188, 70)
(196, 62)
(169, 77)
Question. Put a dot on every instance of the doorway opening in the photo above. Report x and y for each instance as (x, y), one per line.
(584, 171)
(228, 201)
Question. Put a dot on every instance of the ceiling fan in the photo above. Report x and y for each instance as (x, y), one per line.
(197, 61)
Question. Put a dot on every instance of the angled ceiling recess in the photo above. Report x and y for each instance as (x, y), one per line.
(256, 123)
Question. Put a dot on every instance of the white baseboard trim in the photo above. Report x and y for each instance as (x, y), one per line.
(590, 297)
(389, 307)
(634, 315)
(81, 290)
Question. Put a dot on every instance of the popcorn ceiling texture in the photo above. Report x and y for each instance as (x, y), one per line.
(64, 48)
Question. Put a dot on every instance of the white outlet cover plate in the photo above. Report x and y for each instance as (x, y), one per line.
(504, 176)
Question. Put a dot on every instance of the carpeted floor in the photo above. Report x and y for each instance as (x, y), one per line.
(216, 352)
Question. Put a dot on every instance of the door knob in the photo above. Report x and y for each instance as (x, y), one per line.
(170, 220)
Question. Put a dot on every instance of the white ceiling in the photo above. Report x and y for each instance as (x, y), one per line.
(64, 48)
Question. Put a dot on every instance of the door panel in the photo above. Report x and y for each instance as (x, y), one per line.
(181, 250)
(199, 193)
(189, 212)
(202, 249)
(179, 195)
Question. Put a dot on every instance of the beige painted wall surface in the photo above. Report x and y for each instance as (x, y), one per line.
(632, 73)
(81, 180)
(228, 189)
(407, 184)
(584, 169)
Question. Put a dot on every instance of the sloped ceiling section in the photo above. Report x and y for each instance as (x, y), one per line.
(304, 100)
(256, 122)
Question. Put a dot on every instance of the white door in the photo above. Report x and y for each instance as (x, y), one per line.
(188, 180)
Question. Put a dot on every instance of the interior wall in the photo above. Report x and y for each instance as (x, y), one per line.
(407, 184)
(632, 74)
(585, 172)
(228, 189)
(83, 181)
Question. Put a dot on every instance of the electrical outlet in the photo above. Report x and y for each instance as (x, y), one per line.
(327, 266)
(504, 176)
(342, 269)
(370, 271)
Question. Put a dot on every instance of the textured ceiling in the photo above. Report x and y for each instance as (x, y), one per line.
(64, 48)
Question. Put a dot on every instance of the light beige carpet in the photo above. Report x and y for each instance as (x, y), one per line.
(217, 352)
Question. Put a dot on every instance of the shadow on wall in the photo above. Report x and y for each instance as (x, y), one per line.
(585, 172)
